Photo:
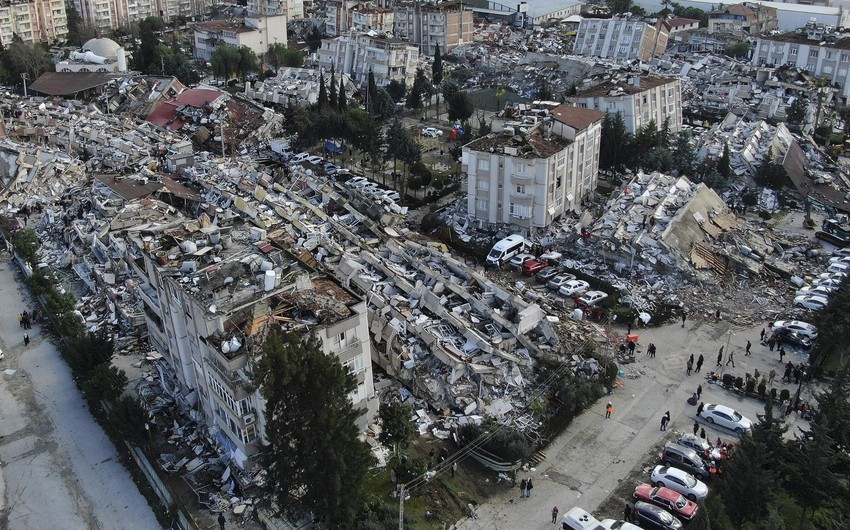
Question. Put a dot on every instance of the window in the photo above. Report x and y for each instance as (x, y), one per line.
(520, 168)
(483, 185)
(482, 204)
(827, 69)
(813, 54)
(355, 365)
(829, 55)
(520, 212)
(845, 57)
(483, 164)
(793, 52)
(520, 188)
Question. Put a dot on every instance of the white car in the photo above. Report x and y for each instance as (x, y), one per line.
(803, 328)
(838, 276)
(726, 417)
(300, 157)
(574, 287)
(813, 290)
(592, 298)
(314, 159)
(840, 259)
(829, 283)
(681, 481)
(843, 268)
(815, 303)
(356, 182)
(614, 524)
(559, 281)
(518, 260)
(431, 132)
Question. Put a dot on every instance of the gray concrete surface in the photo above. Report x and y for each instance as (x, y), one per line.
(591, 458)
(57, 467)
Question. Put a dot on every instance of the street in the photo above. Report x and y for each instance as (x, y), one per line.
(590, 459)
(58, 468)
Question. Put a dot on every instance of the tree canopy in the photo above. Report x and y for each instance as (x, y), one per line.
(279, 56)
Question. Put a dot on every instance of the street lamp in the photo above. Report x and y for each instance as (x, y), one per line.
(25, 77)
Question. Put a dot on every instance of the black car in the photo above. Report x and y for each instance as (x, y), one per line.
(648, 516)
(792, 338)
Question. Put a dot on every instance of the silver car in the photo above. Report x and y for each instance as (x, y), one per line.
(803, 328)
(726, 417)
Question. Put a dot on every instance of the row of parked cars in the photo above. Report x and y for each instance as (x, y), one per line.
(545, 269)
(815, 295)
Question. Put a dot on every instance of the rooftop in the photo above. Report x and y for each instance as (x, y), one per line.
(70, 83)
(235, 26)
(624, 85)
(680, 21)
(530, 145)
(576, 117)
(737, 9)
(797, 38)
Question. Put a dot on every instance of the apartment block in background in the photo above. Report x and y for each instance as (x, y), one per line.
(356, 54)
(447, 24)
(622, 37)
(256, 32)
(34, 21)
(753, 19)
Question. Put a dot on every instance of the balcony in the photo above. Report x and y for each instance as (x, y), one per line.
(521, 177)
(522, 196)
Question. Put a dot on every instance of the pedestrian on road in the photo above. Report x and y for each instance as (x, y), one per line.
(684, 317)
(26, 340)
(749, 345)
(454, 469)
(771, 376)
(700, 360)
(720, 357)
(690, 366)
(629, 328)
(632, 347)
(702, 433)
(627, 513)
(221, 521)
(528, 488)
(762, 334)
(21, 320)
(609, 408)
(522, 487)
(555, 515)
(797, 372)
(691, 358)
(663, 423)
(771, 343)
(788, 368)
(731, 359)
(717, 314)
(699, 411)
(696, 427)
(699, 391)
(781, 353)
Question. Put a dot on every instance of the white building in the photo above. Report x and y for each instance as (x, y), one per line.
(296, 85)
(257, 33)
(622, 38)
(445, 24)
(33, 21)
(530, 179)
(638, 99)
(356, 54)
(338, 16)
(293, 9)
(112, 14)
(96, 55)
(819, 52)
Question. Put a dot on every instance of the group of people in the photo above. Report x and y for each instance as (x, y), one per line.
(690, 364)
(25, 318)
(525, 487)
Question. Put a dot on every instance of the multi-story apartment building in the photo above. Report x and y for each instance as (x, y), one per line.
(622, 37)
(356, 54)
(208, 318)
(293, 9)
(112, 14)
(446, 24)
(638, 99)
(33, 21)
(338, 16)
(371, 18)
(753, 19)
(529, 179)
(814, 48)
(256, 32)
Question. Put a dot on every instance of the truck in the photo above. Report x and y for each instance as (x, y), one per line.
(835, 232)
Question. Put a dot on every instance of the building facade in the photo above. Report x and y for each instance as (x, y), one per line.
(445, 24)
(529, 179)
(823, 55)
(257, 33)
(293, 9)
(753, 19)
(356, 54)
(34, 21)
(679, 24)
(113, 14)
(338, 16)
(379, 19)
(622, 38)
(638, 99)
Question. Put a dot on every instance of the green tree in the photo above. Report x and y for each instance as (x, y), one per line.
(739, 50)
(279, 56)
(614, 142)
(437, 74)
(544, 92)
(127, 419)
(24, 58)
(770, 173)
(332, 99)
(26, 243)
(797, 111)
(74, 22)
(85, 352)
(418, 91)
(225, 62)
(343, 103)
(248, 62)
(322, 103)
(396, 426)
(104, 383)
(684, 156)
(395, 148)
(314, 39)
(146, 56)
(397, 90)
(371, 95)
(460, 107)
(306, 393)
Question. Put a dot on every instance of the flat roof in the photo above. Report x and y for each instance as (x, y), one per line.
(531, 145)
(70, 83)
(793, 37)
(577, 117)
(646, 82)
(801, 8)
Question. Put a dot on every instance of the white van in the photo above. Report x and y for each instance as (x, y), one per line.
(505, 249)
(579, 519)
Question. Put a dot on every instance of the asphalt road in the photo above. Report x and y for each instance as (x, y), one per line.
(57, 467)
(590, 459)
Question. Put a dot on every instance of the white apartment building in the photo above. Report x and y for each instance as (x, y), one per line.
(293, 9)
(112, 14)
(256, 32)
(34, 21)
(622, 38)
(356, 54)
(447, 24)
(338, 16)
(208, 318)
(638, 99)
(530, 179)
(822, 56)
(370, 18)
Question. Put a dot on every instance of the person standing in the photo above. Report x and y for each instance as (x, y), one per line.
(26, 339)
(749, 345)
(717, 314)
(762, 335)
(702, 433)
(609, 408)
(629, 328)
(663, 423)
(690, 365)
(731, 359)
(696, 428)
(720, 357)
(700, 360)
(771, 343)
(555, 515)
(771, 376)
(522, 486)
(627, 513)
(699, 412)
(684, 317)
(788, 368)
(699, 391)
(221, 521)
(528, 488)
(781, 352)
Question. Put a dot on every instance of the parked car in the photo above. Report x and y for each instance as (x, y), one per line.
(559, 280)
(813, 302)
(726, 417)
(843, 268)
(331, 169)
(803, 328)
(615, 524)
(300, 157)
(356, 182)
(686, 459)
(314, 159)
(591, 298)
(812, 290)
(390, 194)
(792, 338)
(700, 445)
(670, 500)
(651, 517)
(574, 288)
(840, 259)
(431, 132)
(548, 274)
(518, 260)
(845, 251)
(551, 257)
(530, 268)
(681, 481)
(830, 283)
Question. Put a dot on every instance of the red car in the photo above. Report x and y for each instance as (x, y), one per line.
(530, 268)
(667, 499)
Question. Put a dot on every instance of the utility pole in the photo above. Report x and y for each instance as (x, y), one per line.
(401, 507)
(223, 152)
(24, 77)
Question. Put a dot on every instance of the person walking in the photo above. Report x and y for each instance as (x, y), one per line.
(749, 345)
(632, 347)
(663, 423)
(702, 433)
(684, 318)
(609, 408)
(629, 328)
(627, 513)
(762, 335)
(720, 357)
(690, 365)
(771, 343)
(699, 391)
(699, 411)
(700, 360)
(731, 359)
(221, 521)
(788, 368)
(696, 428)
(781, 352)
(26, 340)
(555, 515)
(522, 487)
(454, 469)
(771, 376)
(528, 488)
